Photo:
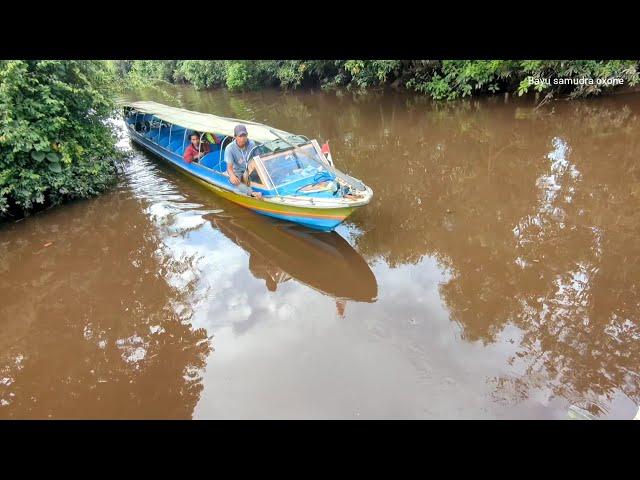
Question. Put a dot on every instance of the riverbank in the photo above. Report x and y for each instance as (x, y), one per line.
(438, 79)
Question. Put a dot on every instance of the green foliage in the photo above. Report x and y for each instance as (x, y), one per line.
(120, 68)
(442, 80)
(291, 73)
(239, 76)
(451, 79)
(558, 70)
(370, 73)
(250, 75)
(55, 144)
(143, 71)
(202, 73)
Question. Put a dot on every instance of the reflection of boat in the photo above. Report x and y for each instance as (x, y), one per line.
(323, 261)
(297, 181)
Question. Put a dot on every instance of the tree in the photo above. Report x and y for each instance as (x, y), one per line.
(55, 141)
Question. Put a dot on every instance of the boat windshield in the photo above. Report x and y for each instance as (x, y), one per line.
(293, 165)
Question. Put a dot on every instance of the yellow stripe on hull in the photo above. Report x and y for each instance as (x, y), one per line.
(260, 205)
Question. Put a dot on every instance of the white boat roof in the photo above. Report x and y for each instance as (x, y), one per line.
(205, 122)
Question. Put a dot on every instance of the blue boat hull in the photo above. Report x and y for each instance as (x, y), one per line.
(318, 219)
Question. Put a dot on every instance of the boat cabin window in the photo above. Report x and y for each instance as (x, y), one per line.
(296, 164)
(254, 175)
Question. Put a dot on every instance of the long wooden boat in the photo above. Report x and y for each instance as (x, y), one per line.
(297, 181)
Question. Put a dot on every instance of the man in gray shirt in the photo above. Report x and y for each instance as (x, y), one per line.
(237, 157)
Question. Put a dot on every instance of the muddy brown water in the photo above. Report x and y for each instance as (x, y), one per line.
(494, 274)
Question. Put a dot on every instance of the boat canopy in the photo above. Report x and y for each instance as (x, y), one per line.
(206, 122)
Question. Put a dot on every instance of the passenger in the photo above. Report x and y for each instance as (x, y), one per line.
(237, 157)
(195, 150)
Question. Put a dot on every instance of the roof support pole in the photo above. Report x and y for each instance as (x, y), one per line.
(200, 146)
(221, 148)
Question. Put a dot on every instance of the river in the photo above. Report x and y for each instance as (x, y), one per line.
(494, 274)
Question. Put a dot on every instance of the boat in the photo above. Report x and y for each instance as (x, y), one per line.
(298, 181)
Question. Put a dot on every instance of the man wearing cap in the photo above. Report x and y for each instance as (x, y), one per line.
(237, 157)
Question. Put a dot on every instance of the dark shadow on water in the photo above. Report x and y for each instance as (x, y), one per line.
(278, 251)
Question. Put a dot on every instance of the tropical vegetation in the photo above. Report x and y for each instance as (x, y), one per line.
(440, 79)
(55, 140)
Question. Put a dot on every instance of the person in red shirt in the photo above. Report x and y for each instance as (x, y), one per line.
(195, 150)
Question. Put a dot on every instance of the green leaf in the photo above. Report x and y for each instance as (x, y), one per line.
(53, 157)
(37, 156)
(55, 167)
